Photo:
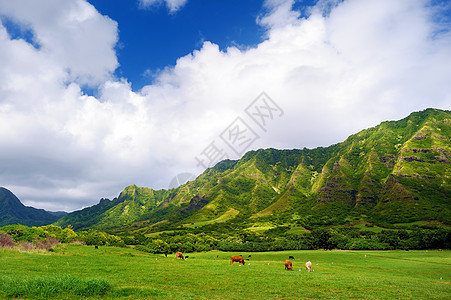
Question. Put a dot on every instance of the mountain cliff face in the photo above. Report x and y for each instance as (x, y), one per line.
(398, 171)
(12, 211)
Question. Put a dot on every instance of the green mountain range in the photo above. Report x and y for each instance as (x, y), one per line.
(12, 211)
(396, 172)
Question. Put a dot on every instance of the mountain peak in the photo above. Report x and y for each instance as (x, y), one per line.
(12, 211)
(395, 172)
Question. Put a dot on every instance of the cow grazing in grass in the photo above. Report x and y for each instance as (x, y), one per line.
(290, 257)
(308, 266)
(179, 255)
(288, 265)
(237, 258)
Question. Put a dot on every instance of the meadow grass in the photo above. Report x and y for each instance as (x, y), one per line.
(75, 271)
(48, 286)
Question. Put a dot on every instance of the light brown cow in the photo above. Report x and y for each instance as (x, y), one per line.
(179, 255)
(237, 258)
(308, 266)
(288, 265)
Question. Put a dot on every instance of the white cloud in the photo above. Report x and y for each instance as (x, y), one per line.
(279, 15)
(365, 62)
(72, 33)
(173, 5)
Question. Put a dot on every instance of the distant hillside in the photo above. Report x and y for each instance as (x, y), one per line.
(398, 171)
(12, 211)
(58, 214)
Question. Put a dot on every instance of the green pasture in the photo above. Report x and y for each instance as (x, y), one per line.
(80, 272)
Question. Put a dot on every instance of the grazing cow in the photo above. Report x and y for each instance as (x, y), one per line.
(288, 265)
(179, 255)
(308, 266)
(97, 247)
(251, 255)
(186, 257)
(290, 257)
(237, 258)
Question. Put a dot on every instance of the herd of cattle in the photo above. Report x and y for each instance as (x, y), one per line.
(289, 265)
(240, 259)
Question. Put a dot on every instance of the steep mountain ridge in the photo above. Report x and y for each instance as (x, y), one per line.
(12, 211)
(398, 171)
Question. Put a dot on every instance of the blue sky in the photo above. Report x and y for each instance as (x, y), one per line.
(152, 38)
(104, 94)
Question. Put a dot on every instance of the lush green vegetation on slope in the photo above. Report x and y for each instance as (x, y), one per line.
(87, 217)
(396, 172)
(12, 211)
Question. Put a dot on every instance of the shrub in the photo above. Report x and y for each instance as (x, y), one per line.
(363, 244)
(412, 243)
(26, 246)
(321, 238)
(53, 241)
(47, 244)
(43, 245)
(340, 241)
(78, 242)
(143, 248)
(6, 241)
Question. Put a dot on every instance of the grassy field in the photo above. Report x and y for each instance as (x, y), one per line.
(75, 271)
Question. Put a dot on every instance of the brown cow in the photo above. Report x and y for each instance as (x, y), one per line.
(237, 258)
(288, 265)
(179, 255)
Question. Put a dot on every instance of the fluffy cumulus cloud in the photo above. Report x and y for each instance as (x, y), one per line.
(173, 5)
(343, 67)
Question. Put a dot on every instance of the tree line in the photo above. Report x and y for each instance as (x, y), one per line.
(276, 239)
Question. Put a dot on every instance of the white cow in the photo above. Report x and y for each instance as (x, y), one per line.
(308, 266)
